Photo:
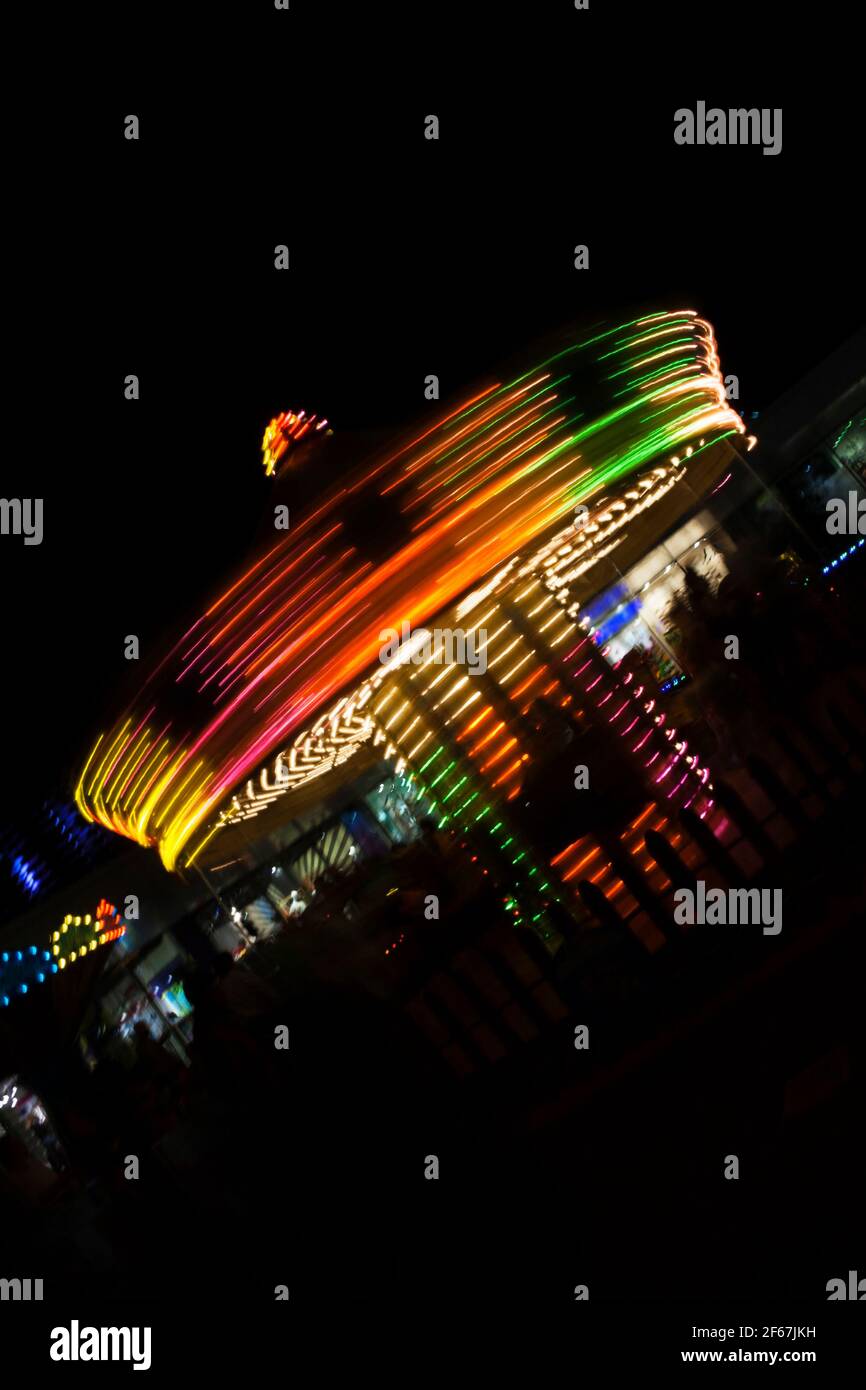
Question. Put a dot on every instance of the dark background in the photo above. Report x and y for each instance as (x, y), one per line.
(407, 257)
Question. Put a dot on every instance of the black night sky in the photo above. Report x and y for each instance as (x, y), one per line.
(407, 257)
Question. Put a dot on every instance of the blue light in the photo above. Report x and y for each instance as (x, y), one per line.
(22, 988)
(40, 975)
(5, 1001)
(846, 555)
(617, 621)
(25, 874)
(618, 593)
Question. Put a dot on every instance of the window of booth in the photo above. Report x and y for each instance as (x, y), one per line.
(849, 445)
(26, 1132)
(151, 992)
(630, 619)
(399, 808)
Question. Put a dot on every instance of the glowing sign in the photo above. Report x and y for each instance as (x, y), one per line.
(75, 938)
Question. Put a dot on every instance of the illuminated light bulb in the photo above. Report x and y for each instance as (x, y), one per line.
(78, 921)
(62, 962)
(72, 956)
(87, 920)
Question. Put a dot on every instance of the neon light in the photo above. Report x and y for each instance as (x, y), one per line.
(27, 967)
(302, 625)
